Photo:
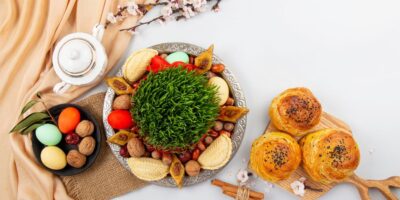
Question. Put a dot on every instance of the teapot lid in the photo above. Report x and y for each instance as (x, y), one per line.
(79, 58)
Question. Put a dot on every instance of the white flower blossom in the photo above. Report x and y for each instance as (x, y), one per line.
(298, 188)
(132, 8)
(188, 12)
(242, 176)
(161, 21)
(111, 18)
(166, 11)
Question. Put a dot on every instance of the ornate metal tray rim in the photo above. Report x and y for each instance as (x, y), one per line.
(235, 89)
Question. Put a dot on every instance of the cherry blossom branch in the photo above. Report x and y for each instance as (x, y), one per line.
(172, 9)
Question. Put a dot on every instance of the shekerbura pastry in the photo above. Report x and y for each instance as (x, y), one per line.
(329, 155)
(295, 111)
(274, 156)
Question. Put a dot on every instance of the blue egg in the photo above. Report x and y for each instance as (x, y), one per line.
(48, 134)
(177, 56)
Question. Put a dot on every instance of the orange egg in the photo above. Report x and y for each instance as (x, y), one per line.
(68, 119)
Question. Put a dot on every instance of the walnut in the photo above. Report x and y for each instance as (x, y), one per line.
(135, 147)
(76, 159)
(192, 168)
(87, 145)
(122, 102)
(84, 128)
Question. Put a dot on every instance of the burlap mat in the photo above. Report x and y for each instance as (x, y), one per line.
(106, 178)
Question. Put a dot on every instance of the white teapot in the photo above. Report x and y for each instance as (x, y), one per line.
(79, 59)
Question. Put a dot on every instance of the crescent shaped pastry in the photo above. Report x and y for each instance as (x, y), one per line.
(275, 156)
(329, 155)
(295, 111)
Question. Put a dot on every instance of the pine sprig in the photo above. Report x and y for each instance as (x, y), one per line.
(174, 108)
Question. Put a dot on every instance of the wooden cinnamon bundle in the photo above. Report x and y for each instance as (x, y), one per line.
(232, 190)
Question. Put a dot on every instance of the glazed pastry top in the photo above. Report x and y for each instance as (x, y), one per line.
(295, 111)
(329, 155)
(274, 156)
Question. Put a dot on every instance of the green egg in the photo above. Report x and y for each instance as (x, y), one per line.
(48, 134)
(177, 56)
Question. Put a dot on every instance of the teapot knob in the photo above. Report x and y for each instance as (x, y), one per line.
(74, 54)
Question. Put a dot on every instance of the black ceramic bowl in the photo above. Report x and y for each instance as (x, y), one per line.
(68, 170)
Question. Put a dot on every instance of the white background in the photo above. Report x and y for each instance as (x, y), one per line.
(346, 51)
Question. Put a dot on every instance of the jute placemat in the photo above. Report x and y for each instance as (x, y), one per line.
(106, 178)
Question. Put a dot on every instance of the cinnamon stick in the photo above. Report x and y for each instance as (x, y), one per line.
(233, 195)
(233, 188)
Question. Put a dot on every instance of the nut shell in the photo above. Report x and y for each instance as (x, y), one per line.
(192, 168)
(76, 159)
(122, 102)
(87, 145)
(84, 128)
(135, 147)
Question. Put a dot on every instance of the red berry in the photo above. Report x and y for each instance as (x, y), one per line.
(72, 138)
(123, 151)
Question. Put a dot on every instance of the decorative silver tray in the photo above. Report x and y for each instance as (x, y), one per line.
(237, 93)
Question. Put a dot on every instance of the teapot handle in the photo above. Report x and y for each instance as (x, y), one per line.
(98, 31)
(61, 87)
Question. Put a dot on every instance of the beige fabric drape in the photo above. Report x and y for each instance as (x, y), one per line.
(28, 31)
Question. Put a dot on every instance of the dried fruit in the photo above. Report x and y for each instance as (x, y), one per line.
(156, 154)
(72, 138)
(218, 125)
(122, 102)
(203, 61)
(166, 158)
(68, 119)
(192, 168)
(177, 171)
(232, 113)
(84, 128)
(217, 154)
(123, 151)
(120, 119)
(213, 133)
(218, 68)
(148, 169)
(135, 65)
(121, 137)
(229, 126)
(76, 159)
(119, 85)
(230, 102)
(201, 146)
(208, 140)
(184, 157)
(196, 154)
(136, 147)
(87, 145)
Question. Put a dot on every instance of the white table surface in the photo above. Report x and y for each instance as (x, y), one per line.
(346, 51)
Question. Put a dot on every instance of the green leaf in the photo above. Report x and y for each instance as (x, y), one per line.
(28, 106)
(29, 120)
(31, 128)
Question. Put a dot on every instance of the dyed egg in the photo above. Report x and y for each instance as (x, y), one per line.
(48, 134)
(53, 158)
(69, 119)
(120, 119)
(177, 56)
(223, 89)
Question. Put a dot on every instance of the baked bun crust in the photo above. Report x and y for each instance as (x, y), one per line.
(329, 155)
(274, 156)
(295, 111)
